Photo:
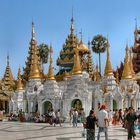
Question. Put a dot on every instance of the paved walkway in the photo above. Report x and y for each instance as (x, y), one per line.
(32, 131)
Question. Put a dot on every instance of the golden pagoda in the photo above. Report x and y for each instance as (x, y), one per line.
(50, 75)
(126, 75)
(19, 85)
(65, 59)
(108, 68)
(77, 67)
(8, 83)
(131, 64)
(33, 60)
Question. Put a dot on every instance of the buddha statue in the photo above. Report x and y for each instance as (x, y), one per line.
(78, 106)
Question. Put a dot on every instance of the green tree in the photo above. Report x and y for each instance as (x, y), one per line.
(43, 52)
(99, 45)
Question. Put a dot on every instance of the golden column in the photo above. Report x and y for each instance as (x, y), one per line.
(108, 68)
(126, 71)
(50, 75)
(19, 81)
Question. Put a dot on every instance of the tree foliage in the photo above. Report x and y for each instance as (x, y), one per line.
(99, 44)
(44, 52)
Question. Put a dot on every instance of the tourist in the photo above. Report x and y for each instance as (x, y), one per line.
(124, 118)
(83, 121)
(129, 121)
(138, 116)
(120, 116)
(90, 125)
(1, 115)
(58, 117)
(75, 118)
(71, 115)
(110, 115)
(103, 122)
(116, 118)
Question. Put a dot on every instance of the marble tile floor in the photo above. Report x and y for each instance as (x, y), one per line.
(33, 131)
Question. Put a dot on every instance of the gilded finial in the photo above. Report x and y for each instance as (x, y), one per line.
(126, 71)
(77, 66)
(50, 75)
(81, 35)
(33, 31)
(19, 81)
(136, 24)
(35, 72)
(8, 60)
(131, 63)
(108, 68)
(72, 23)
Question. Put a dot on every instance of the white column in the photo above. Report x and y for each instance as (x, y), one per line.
(29, 107)
(111, 102)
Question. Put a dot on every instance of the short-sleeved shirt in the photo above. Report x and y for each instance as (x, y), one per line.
(101, 116)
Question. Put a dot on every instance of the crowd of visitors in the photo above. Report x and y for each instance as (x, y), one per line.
(50, 117)
(129, 119)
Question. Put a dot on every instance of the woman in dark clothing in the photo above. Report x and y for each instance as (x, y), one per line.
(130, 119)
(90, 125)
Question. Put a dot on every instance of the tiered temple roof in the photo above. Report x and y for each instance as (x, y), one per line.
(8, 82)
(33, 65)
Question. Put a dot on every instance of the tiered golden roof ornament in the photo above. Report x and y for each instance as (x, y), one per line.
(33, 65)
(90, 68)
(131, 63)
(19, 81)
(8, 83)
(108, 68)
(77, 66)
(66, 54)
(50, 75)
(126, 75)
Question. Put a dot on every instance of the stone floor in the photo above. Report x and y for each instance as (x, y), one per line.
(32, 131)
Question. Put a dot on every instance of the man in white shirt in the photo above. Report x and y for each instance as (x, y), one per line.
(103, 122)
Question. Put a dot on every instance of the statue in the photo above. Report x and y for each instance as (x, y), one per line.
(78, 106)
(49, 107)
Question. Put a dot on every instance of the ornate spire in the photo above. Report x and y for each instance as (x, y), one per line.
(35, 72)
(8, 80)
(90, 64)
(108, 68)
(72, 24)
(19, 81)
(126, 71)
(32, 69)
(33, 31)
(131, 63)
(77, 67)
(8, 60)
(50, 75)
(117, 76)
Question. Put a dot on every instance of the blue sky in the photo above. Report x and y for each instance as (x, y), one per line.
(114, 18)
